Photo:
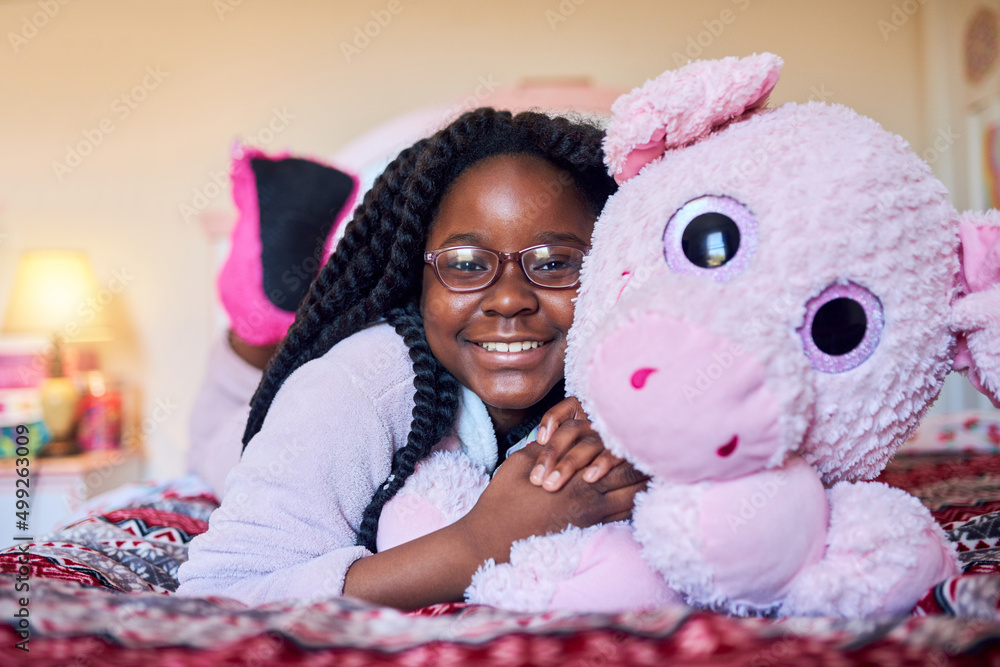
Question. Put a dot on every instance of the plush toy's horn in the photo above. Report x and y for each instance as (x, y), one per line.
(681, 106)
(976, 310)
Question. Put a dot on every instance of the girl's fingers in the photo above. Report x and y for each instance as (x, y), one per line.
(585, 450)
(563, 411)
(620, 502)
(570, 445)
(600, 466)
(564, 440)
(622, 476)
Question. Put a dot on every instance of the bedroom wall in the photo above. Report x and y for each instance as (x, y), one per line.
(959, 107)
(160, 90)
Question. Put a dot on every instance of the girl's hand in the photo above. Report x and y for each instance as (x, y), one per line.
(570, 444)
(512, 509)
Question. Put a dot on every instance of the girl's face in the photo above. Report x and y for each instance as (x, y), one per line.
(505, 203)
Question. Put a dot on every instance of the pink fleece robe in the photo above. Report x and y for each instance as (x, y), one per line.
(293, 504)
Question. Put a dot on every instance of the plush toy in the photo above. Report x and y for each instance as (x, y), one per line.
(773, 300)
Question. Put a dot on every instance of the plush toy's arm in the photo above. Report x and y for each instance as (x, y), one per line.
(596, 569)
(441, 490)
(735, 545)
(885, 552)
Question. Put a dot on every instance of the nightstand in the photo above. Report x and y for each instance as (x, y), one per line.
(60, 485)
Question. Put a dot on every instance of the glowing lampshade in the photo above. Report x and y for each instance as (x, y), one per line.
(56, 293)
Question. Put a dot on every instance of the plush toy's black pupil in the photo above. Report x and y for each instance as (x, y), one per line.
(839, 326)
(710, 240)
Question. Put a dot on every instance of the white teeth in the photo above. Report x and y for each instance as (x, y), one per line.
(519, 346)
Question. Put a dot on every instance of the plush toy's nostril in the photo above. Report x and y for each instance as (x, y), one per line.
(640, 376)
(729, 447)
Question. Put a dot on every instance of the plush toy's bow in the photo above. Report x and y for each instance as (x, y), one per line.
(681, 106)
(976, 310)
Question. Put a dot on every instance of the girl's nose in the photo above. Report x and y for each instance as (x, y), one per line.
(512, 293)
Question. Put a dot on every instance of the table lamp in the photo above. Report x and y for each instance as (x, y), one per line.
(55, 294)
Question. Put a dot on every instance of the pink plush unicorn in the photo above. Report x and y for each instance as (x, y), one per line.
(773, 300)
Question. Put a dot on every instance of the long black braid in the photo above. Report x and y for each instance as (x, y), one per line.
(435, 406)
(377, 269)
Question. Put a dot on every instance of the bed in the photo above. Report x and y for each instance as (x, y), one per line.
(100, 594)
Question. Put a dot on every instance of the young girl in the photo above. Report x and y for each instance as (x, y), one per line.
(439, 323)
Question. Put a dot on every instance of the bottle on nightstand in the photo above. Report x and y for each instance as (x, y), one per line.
(99, 420)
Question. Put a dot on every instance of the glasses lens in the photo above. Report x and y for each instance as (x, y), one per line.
(466, 268)
(553, 265)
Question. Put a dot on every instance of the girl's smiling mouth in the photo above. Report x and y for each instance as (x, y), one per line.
(521, 355)
(515, 346)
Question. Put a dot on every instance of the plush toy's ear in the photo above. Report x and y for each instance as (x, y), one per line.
(681, 106)
(976, 310)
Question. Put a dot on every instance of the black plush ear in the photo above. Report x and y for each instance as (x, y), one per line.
(976, 310)
(682, 106)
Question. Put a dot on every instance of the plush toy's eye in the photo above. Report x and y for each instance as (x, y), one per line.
(839, 326)
(710, 235)
(843, 327)
(710, 240)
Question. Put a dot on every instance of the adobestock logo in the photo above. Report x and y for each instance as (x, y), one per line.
(563, 11)
(218, 179)
(30, 26)
(122, 107)
(482, 91)
(714, 27)
(223, 7)
(901, 14)
(364, 35)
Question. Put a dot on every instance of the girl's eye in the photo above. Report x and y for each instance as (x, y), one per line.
(552, 265)
(466, 266)
(843, 327)
(554, 262)
(713, 236)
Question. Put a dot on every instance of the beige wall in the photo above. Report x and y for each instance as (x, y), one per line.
(225, 74)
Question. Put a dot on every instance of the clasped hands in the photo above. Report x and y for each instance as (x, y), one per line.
(537, 490)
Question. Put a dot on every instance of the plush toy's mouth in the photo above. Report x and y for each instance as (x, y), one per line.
(729, 447)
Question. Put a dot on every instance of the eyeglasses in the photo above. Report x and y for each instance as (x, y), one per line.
(468, 268)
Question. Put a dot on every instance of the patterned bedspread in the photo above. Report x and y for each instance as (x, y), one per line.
(100, 595)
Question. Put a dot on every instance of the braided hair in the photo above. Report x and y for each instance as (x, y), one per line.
(377, 269)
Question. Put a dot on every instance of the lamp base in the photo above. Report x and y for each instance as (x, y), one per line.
(59, 398)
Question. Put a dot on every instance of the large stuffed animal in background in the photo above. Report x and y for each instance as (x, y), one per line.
(773, 300)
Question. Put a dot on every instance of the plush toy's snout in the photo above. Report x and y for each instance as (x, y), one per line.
(663, 383)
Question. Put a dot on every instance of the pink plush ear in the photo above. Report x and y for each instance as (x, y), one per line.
(681, 106)
(976, 311)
